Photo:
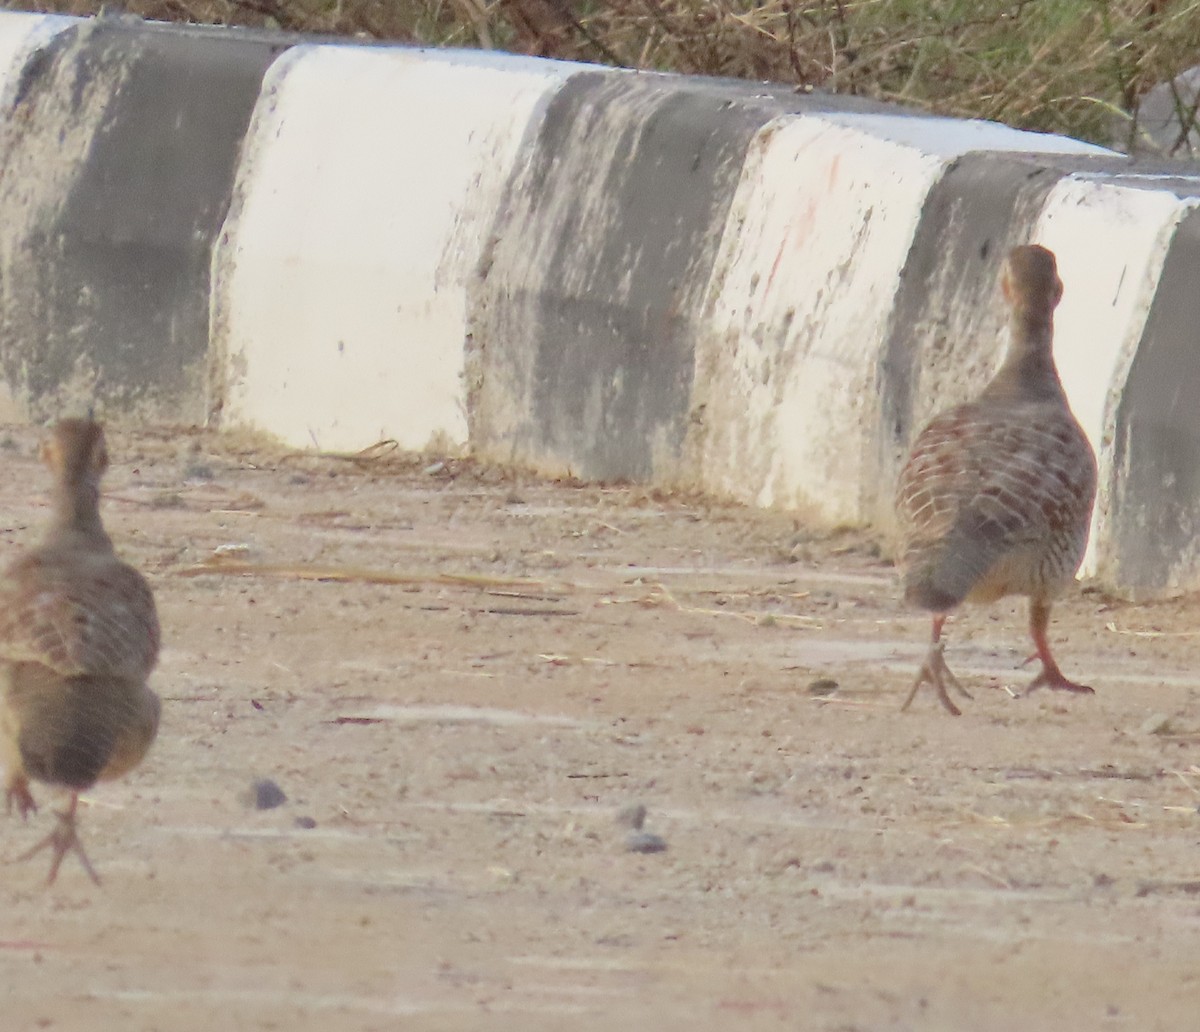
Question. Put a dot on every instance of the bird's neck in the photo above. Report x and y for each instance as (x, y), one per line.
(76, 514)
(1028, 370)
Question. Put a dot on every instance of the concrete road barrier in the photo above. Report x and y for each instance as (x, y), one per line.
(119, 146)
(618, 275)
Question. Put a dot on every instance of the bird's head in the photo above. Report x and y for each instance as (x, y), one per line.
(1030, 281)
(75, 450)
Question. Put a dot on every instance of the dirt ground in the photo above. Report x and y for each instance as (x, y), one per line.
(489, 678)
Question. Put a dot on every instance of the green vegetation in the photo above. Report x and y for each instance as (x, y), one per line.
(1066, 66)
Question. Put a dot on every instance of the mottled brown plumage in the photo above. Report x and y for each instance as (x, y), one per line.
(79, 636)
(996, 496)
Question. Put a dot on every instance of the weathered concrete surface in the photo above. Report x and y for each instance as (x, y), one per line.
(367, 188)
(591, 294)
(118, 157)
(813, 295)
(1113, 232)
(1155, 522)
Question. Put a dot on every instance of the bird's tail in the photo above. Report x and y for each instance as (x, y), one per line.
(68, 726)
(940, 575)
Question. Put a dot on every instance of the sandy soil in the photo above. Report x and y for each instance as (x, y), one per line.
(493, 672)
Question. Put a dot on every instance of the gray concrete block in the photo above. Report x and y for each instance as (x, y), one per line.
(1155, 518)
(118, 161)
(590, 295)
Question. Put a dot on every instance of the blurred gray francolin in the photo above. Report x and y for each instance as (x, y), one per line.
(79, 636)
(996, 496)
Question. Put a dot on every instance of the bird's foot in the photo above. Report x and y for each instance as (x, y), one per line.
(61, 841)
(18, 792)
(935, 672)
(1053, 678)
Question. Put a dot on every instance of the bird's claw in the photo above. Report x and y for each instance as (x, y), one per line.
(1056, 681)
(19, 793)
(61, 841)
(934, 671)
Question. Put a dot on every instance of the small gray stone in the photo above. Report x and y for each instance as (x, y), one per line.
(198, 471)
(264, 794)
(822, 686)
(1156, 724)
(305, 822)
(632, 815)
(645, 842)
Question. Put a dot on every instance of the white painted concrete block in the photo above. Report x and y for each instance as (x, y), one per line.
(369, 181)
(818, 234)
(952, 137)
(1110, 240)
(816, 237)
(20, 35)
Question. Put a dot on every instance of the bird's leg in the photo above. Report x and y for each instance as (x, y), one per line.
(63, 840)
(935, 671)
(16, 790)
(1051, 676)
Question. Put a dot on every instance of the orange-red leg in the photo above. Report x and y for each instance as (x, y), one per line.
(1051, 676)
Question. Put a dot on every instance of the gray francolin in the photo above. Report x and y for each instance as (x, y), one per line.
(79, 636)
(996, 496)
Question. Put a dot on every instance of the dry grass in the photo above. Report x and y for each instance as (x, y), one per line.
(1067, 66)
